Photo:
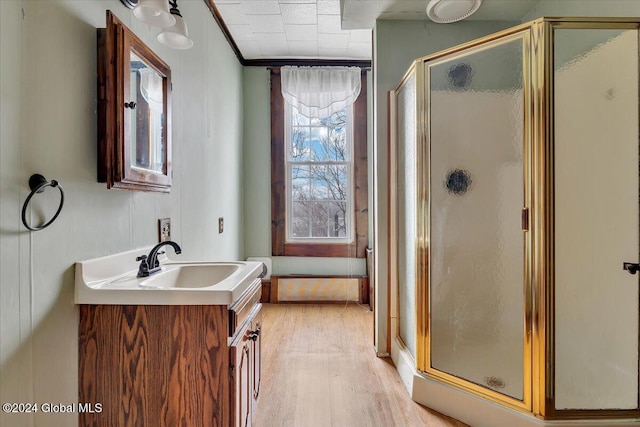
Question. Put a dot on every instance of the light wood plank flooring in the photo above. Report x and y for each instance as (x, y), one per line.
(319, 369)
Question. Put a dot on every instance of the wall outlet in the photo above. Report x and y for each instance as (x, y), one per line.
(164, 229)
(220, 225)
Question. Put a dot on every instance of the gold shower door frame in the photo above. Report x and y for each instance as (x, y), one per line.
(543, 248)
(538, 179)
(423, 356)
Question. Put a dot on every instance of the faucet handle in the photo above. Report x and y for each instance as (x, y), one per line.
(141, 258)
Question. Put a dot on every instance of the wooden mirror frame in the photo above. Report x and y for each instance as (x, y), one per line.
(115, 44)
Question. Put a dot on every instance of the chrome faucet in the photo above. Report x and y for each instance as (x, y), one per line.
(149, 263)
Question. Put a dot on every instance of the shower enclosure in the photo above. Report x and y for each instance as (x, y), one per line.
(515, 222)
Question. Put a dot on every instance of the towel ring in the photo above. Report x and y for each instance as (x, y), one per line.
(38, 183)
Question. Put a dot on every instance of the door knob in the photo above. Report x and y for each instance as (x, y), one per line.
(631, 267)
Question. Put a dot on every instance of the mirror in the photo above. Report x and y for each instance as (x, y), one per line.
(134, 114)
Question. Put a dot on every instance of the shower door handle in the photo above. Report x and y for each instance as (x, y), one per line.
(631, 267)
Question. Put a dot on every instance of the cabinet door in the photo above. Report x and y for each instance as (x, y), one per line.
(256, 347)
(241, 394)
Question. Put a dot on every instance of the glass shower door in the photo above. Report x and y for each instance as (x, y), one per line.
(477, 284)
(596, 137)
(406, 106)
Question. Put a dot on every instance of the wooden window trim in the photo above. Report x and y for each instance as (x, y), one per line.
(279, 245)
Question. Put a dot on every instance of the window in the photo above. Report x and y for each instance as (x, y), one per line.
(319, 179)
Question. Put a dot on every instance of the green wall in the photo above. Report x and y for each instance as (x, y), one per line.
(257, 183)
(48, 126)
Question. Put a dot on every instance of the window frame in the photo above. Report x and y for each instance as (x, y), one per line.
(349, 164)
(280, 246)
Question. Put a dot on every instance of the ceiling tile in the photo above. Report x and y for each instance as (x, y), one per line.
(358, 55)
(329, 7)
(275, 38)
(309, 48)
(274, 49)
(299, 13)
(241, 32)
(301, 32)
(333, 40)
(232, 14)
(359, 50)
(329, 53)
(265, 29)
(362, 36)
(261, 7)
(266, 23)
(249, 49)
(329, 24)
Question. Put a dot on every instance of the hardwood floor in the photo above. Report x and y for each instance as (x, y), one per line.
(319, 369)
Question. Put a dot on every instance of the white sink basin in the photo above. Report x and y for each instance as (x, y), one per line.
(191, 275)
(112, 280)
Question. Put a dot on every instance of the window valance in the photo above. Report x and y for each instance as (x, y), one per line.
(320, 91)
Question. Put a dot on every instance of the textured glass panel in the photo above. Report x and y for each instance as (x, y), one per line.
(596, 218)
(477, 245)
(406, 120)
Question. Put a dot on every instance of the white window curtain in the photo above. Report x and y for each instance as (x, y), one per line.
(320, 91)
(151, 89)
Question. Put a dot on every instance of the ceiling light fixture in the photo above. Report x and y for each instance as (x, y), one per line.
(448, 11)
(176, 36)
(154, 12)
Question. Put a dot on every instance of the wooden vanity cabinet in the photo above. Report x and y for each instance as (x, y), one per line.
(244, 355)
(170, 365)
(242, 358)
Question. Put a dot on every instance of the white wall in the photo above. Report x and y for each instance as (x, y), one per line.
(257, 199)
(48, 125)
(396, 45)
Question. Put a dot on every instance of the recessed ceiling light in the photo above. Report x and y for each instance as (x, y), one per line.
(447, 11)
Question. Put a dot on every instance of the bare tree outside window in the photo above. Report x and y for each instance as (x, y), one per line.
(319, 165)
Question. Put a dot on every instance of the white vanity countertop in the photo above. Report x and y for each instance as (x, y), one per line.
(112, 280)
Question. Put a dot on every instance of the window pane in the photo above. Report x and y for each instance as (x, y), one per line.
(318, 144)
(337, 219)
(337, 182)
(318, 194)
(337, 134)
(319, 183)
(297, 118)
(319, 220)
(299, 147)
(300, 183)
(300, 219)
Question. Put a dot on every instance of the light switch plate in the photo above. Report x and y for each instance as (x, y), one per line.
(164, 229)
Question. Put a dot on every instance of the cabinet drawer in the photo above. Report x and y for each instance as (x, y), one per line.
(240, 310)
